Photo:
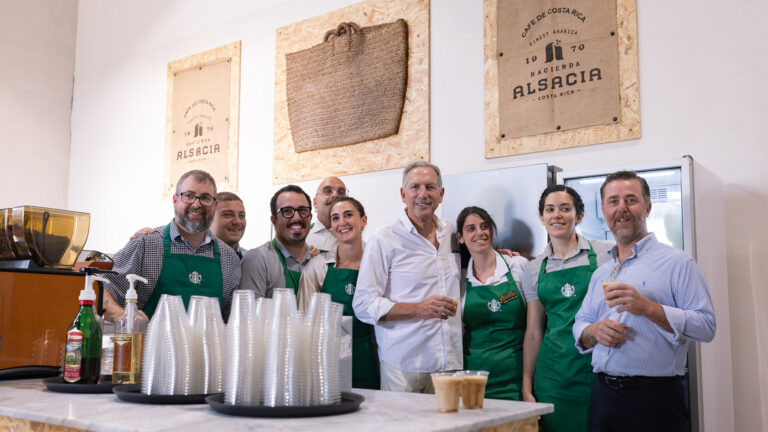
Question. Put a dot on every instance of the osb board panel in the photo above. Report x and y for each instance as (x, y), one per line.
(628, 126)
(229, 53)
(396, 151)
(529, 424)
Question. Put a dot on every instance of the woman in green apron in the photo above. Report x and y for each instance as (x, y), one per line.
(493, 306)
(335, 272)
(555, 284)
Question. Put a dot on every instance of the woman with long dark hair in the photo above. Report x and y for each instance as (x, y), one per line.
(493, 306)
(555, 284)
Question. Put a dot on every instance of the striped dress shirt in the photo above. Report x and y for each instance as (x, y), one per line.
(664, 275)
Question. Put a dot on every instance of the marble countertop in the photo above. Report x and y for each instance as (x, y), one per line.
(381, 412)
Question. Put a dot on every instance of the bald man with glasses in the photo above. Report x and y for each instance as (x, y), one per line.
(279, 262)
(320, 235)
(181, 258)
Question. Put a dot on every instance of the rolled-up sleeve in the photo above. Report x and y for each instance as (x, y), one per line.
(128, 260)
(369, 301)
(693, 316)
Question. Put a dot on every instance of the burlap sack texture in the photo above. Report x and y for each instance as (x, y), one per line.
(350, 88)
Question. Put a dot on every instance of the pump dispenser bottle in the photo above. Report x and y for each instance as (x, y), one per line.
(82, 358)
(129, 338)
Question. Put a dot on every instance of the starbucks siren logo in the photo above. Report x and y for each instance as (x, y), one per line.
(568, 290)
(494, 305)
(349, 289)
(195, 278)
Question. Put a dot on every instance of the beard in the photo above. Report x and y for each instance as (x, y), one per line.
(193, 227)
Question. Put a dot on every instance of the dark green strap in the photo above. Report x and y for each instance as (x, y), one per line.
(289, 274)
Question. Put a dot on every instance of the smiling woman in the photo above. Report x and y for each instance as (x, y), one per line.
(555, 284)
(493, 306)
(335, 272)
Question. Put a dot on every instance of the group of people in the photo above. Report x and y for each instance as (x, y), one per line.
(600, 330)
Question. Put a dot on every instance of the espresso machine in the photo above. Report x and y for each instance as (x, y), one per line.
(39, 248)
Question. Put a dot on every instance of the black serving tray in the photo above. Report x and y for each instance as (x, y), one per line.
(350, 402)
(24, 372)
(132, 393)
(57, 384)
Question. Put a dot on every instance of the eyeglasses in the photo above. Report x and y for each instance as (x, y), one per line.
(288, 212)
(190, 197)
(340, 191)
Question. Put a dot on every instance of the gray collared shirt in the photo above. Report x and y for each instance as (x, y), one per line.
(579, 257)
(262, 270)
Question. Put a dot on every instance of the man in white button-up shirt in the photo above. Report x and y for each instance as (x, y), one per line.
(408, 287)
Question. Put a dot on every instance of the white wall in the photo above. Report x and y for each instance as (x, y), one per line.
(37, 52)
(702, 93)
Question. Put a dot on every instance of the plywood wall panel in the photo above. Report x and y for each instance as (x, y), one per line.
(396, 151)
(628, 126)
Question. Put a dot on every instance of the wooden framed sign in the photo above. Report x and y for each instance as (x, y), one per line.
(202, 117)
(559, 74)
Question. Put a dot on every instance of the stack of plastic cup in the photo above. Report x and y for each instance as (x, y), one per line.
(180, 337)
(334, 328)
(280, 375)
(154, 363)
(170, 364)
(325, 318)
(243, 382)
(303, 359)
(209, 335)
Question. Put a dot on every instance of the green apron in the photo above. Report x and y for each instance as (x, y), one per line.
(291, 276)
(494, 318)
(340, 284)
(186, 275)
(563, 376)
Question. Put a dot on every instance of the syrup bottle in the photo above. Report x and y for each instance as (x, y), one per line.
(129, 338)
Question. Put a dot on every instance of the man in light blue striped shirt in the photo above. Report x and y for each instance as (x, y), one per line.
(642, 309)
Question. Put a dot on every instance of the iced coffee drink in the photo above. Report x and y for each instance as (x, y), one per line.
(605, 289)
(473, 389)
(447, 390)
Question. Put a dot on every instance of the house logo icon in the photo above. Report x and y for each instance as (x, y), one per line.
(553, 51)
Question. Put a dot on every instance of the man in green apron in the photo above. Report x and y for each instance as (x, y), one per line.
(278, 263)
(320, 235)
(182, 258)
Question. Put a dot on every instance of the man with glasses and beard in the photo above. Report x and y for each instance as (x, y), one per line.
(278, 263)
(181, 258)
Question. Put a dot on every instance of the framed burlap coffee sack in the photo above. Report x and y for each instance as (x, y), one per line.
(559, 74)
(203, 117)
(321, 126)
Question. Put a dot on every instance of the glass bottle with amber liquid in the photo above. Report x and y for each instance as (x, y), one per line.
(129, 339)
(82, 357)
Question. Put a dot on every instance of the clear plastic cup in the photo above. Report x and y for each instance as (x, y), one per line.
(447, 390)
(473, 388)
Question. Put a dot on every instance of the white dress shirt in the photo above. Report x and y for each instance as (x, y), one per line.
(401, 266)
(321, 237)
